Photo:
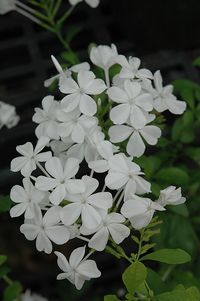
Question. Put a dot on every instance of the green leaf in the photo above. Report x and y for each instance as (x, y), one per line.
(179, 209)
(150, 164)
(111, 298)
(155, 282)
(180, 294)
(3, 259)
(196, 62)
(193, 153)
(173, 176)
(134, 276)
(4, 270)
(5, 203)
(193, 294)
(72, 31)
(169, 256)
(13, 291)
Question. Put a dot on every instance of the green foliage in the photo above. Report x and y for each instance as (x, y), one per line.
(169, 256)
(12, 292)
(134, 276)
(3, 259)
(180, 294)
(111, 298)
(173, 175)
(5, 204)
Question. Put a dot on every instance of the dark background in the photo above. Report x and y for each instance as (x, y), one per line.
(165, 34)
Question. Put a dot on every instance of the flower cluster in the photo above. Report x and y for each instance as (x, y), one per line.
(28, 296)
(85, 186)
(8, 115)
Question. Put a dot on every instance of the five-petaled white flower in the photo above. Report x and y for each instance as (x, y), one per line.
(164, 99)
(130, 68)
(26, 198)
(111, 225)
(140, 210)
(78, 269)
(92, 3)
(135, 146)
(124, 173)
(80, 91)
(7, 6)
(27, 163)
(104, 56)
(46, 229)
(47, 118)
(87, 205)
(133, 105)
(171, 196)
(61, 181)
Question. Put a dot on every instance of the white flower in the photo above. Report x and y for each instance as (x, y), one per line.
(133, 104)
(92, 3)
(105, 150)
(135, 146)
(75, 126)
(111, 225)
(124, 173)
(28, 161)
(28, 296)
(140, 210)
(7, 6)
(26, 198)
(61, 181)
(86, 205)
(79, 93)
(104, 56)
(164, 99)
(78, 269)
(46, 229)
(171, 196)
(88, 149)
(63, 74)
(47, 118)
(8, 116)
(130, 68)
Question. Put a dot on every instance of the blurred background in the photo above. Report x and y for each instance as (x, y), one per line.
(164, 34)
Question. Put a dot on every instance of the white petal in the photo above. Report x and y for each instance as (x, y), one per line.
(18, 163)
(118, 163)
(99, 240)
(69, 86)
(90, 217)
(120, 113)
(54, 167)
(96, 87)
(58, 194)
(78, 134)
(102, 200)
(99, 165)
(58, 234)
(115, 180)
(62, 262)
(151, 134)
(118, 232)
(43, 243)
(75, 186)
(142, 186)
(43, 157)
(71, 168)
(137, 117)
(87, 105)
(76, 257)
(18, 209)
(176, 106)
(135, 146)
(145, 101)
(141, 221)
(91, 185)
(105, 149)
(70, 213)
(28, 168)
(114, 217)
(88, 268)
(45, 183)
(117, 95)
(119, 133)
(25, 149)
(52, 216)
(30, 231)
(18, 194)
(42, 142)
(70, 102)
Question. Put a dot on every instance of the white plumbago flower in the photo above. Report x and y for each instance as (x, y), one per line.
(80, 91)
(47, 118)
(171, 196)
(88, 149)
(27, 199)
(46, 229)
(140, 210)
(133, 104)
(104, 56)
(7, 6)
(164, 99)
(75, 126)
(105, 150)
(135, 146)
(112, 224)
(61, 181)
(28, 296)
(130, 68)
(27, 163)
(78, 269)
(86, 205)
(8, 116)
(63, 74)
(124, 173)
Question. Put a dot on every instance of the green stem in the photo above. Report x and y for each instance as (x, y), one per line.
(65, 16)
(140, 244)
(7, 280)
